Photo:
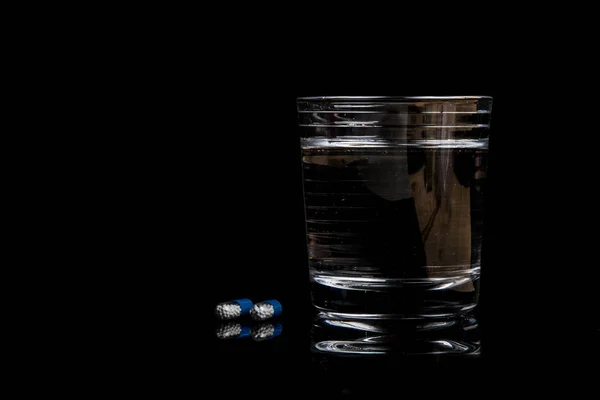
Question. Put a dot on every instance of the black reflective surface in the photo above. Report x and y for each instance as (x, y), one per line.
(315, 354)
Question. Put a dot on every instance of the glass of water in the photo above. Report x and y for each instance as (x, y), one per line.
(394, 190)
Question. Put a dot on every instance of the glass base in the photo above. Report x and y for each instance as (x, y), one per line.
(367, 298)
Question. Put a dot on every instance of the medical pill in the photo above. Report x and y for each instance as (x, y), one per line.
(265, 310)
(233, 309)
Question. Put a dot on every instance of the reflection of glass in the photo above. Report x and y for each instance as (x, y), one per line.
(373, 357)
(345, 336)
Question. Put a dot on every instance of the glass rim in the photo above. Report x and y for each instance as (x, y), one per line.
(390, 99)
(395, 111)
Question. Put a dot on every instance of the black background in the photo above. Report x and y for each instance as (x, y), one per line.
(203, 199)
(234, 226)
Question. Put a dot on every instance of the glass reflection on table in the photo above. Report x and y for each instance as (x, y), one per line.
(362, 356)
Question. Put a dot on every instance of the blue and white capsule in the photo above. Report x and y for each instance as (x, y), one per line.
(233, 309)
(265, 310)
(266, 331)
(233, 330)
